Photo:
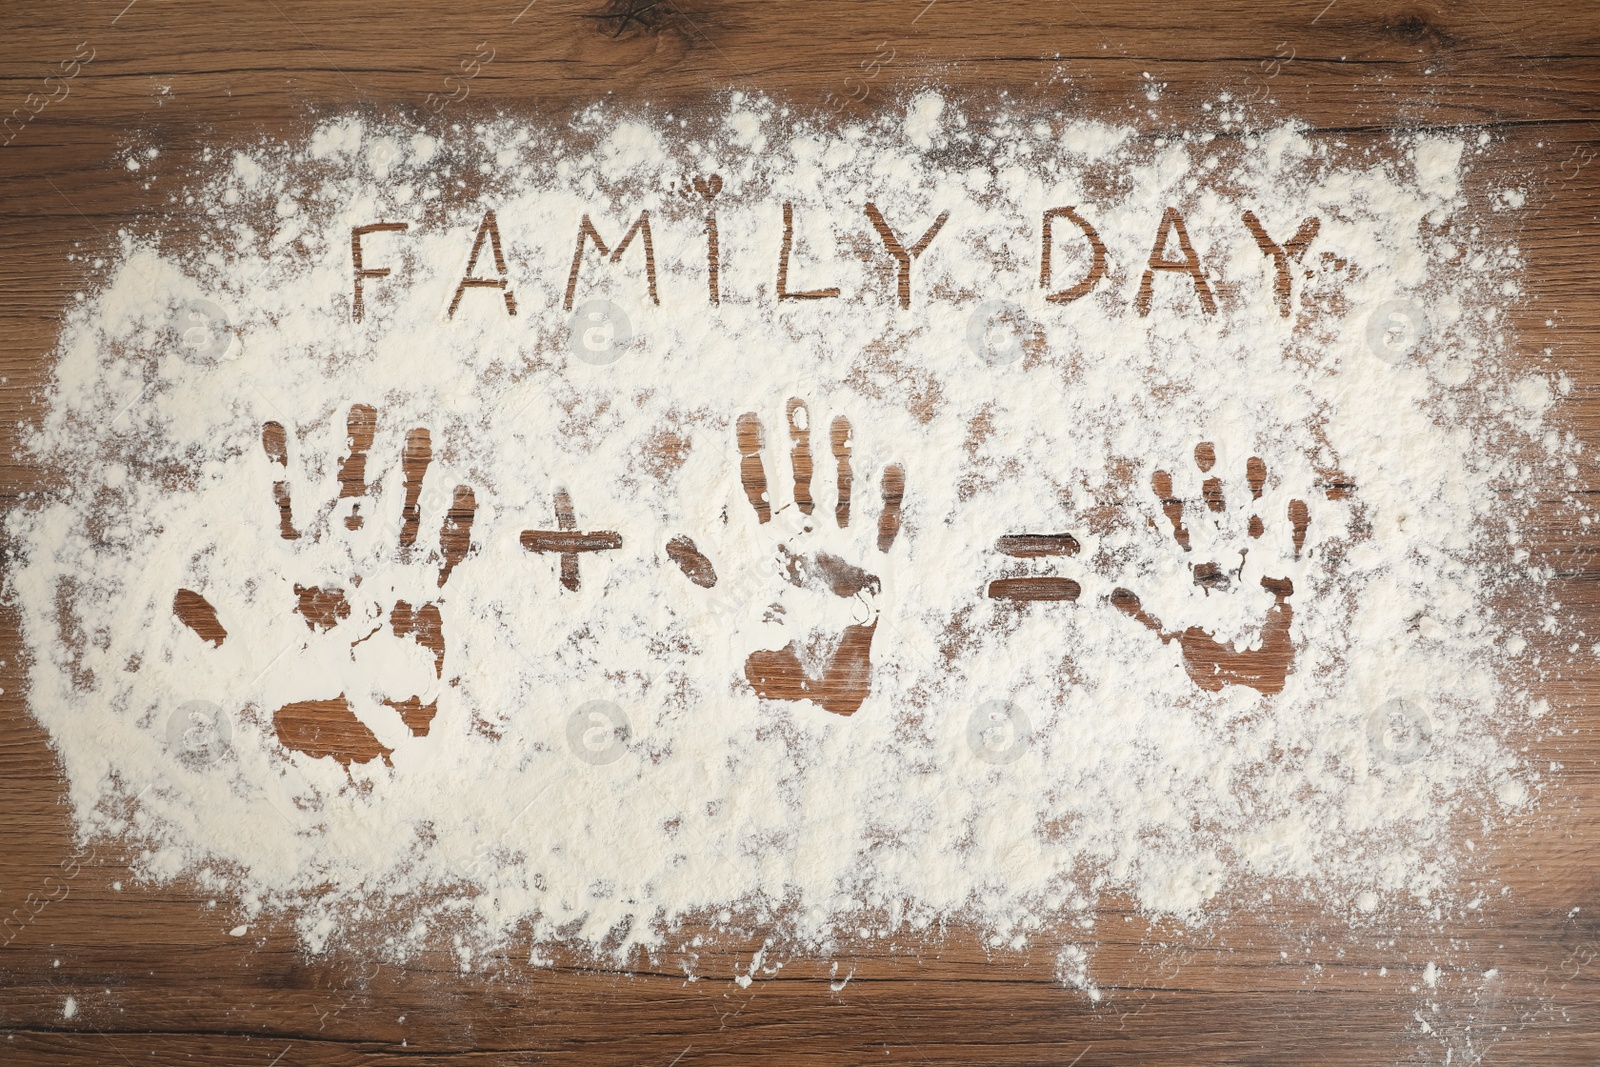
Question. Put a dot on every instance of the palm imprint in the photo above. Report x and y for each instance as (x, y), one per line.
(329, 727)
(1210, 663)
(831, 666)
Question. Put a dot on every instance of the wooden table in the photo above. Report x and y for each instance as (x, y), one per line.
(157, 978)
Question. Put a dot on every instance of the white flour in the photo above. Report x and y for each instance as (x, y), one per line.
(1012, 761)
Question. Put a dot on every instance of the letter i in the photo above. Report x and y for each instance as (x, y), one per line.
(708, 188)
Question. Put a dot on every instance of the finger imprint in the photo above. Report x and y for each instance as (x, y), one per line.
(414, 460)
(361, 425)
(196, 612)
(1205, 457)
(1126, 602)
(800, 454)
(751, 472)
(1255, 472)
(276, 443)
(455, 536)
(1299, 519)
(894, 494)
(846, 478)
(692, 562)
(1171, 506)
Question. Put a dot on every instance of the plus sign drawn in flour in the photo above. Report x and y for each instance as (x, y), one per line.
(956, 517)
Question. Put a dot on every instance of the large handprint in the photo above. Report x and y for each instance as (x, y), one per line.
(1210, 663)
(829, 664)
(345, 620)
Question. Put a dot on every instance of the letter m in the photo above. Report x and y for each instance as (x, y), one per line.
(587, 232)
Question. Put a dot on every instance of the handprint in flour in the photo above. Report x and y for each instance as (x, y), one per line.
(372, 602)
(1213, 664)
(829, 663)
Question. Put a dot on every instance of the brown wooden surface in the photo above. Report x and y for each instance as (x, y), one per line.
(157, 978)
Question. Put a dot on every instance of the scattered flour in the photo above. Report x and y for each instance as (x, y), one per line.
(599, 768)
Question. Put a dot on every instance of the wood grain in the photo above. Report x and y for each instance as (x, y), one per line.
(156, 976)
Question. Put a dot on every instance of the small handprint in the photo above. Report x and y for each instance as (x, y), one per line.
(828, 664)
(329, 726)
(1210, 663)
